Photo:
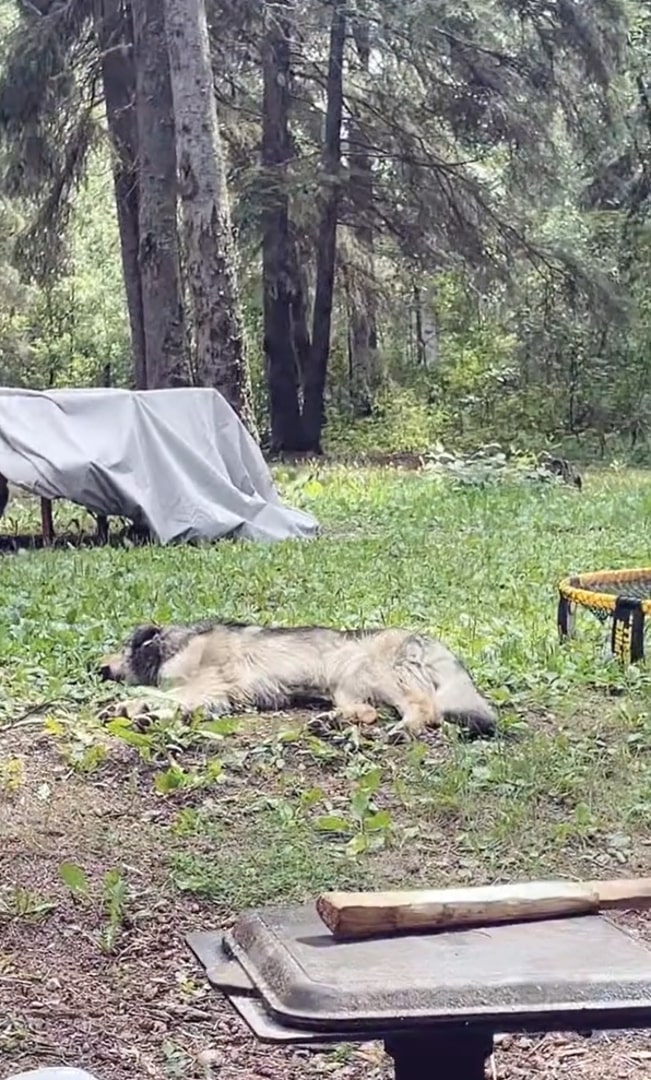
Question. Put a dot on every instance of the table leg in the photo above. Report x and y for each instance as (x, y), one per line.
(47, 525)
(456, 1054)
(102, 529)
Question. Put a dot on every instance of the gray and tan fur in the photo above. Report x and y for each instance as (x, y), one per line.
(228, 667)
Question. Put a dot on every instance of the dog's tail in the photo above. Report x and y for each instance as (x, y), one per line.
(456, 697)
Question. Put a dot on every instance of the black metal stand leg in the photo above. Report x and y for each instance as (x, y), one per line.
(102, 529)
(451, 1055)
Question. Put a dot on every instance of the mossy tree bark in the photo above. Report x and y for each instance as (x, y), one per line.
(211, 258)
(158, 254)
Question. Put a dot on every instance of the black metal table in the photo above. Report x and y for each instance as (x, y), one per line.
(436, 1000)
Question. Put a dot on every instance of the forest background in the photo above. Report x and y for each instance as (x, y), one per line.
(426, 222)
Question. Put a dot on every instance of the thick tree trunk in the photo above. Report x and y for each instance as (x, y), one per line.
(281, 362)
(210, 246)
(113, 27)
(162, 295)
(315, 377)
(300, 312)
(363, 325)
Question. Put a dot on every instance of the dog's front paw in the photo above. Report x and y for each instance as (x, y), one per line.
(129, 709)
(139, 708)
(402, 733)
(361, 714)
(323, 723)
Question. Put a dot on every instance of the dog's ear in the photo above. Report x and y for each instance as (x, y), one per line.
(144, 635)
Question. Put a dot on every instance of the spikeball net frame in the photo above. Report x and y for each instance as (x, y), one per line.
(624, 596)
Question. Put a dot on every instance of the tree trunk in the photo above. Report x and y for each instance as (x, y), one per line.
(418, 321)
(210, 245)
(280, 358)
(359, 333)
(426, 328)
(299, 308)
(315, 377)
(113, 27)
(363, 325)
(162, 296)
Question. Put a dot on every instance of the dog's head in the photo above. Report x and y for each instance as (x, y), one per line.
(139, 661)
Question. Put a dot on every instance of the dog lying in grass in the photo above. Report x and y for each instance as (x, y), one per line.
(223, 668)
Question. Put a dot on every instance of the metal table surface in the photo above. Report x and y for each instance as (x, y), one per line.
(436, 1000)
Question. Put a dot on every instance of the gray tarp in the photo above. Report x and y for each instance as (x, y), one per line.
(179, 461)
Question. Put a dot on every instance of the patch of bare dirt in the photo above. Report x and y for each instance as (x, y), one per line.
(145, 1010)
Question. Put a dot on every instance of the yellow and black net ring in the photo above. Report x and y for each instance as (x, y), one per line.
(623, 595)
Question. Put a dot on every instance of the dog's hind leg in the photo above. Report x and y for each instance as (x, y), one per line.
(435, 686)
(457, 698)
(419, 712)
(415, 703)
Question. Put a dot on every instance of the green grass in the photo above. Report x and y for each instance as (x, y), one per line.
(566, 789)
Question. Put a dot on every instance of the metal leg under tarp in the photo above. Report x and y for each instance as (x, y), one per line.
(47, 528)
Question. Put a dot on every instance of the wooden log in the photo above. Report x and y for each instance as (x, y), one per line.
(358, 915)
